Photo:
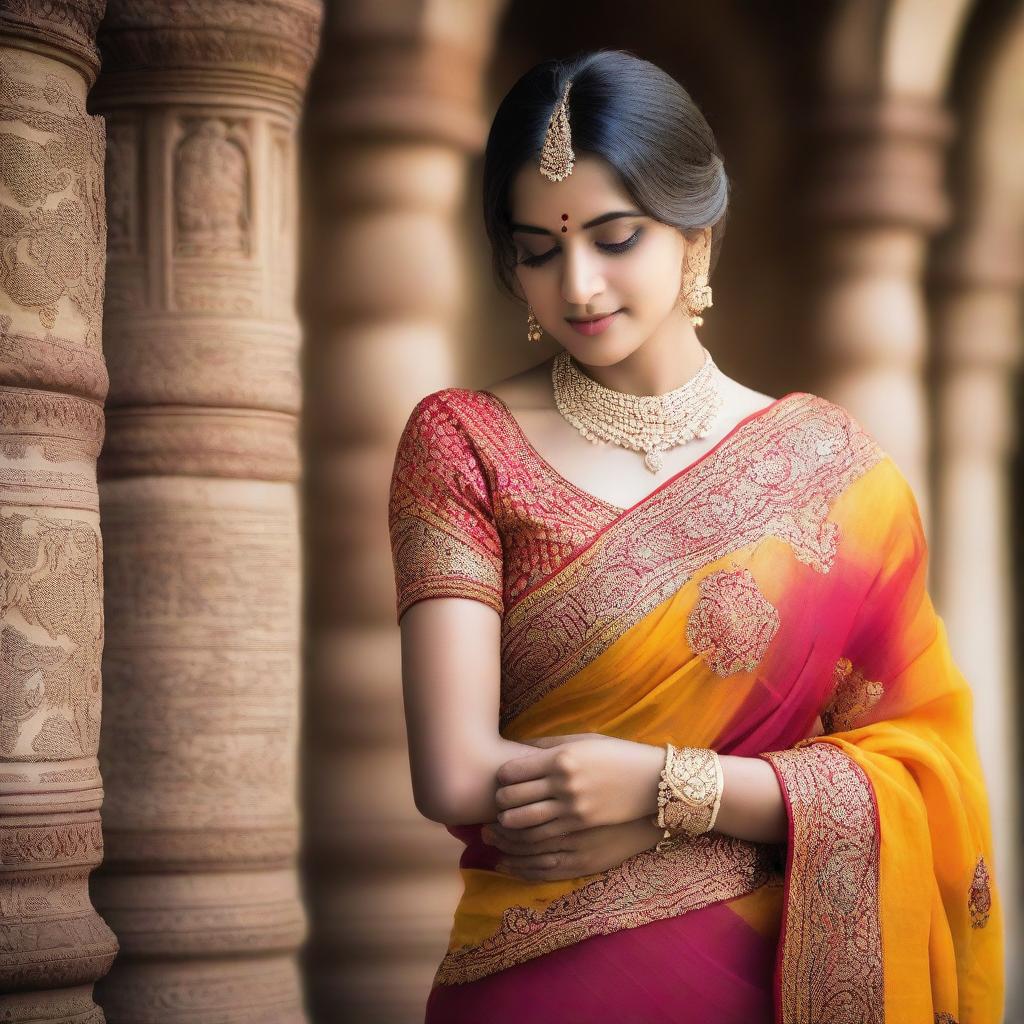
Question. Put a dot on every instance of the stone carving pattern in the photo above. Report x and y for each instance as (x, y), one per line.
(52, 217)
(212, 204)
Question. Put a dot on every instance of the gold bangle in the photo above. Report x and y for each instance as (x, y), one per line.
(689, 792)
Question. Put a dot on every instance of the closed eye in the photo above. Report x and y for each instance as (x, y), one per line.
(612, 247)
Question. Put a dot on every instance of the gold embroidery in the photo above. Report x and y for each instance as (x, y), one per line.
(732, 622)
(945, 1018)
(777, 476)
(852, 696)
(436, 564)
(649, 886)
(980, 898)
(830, 952)
(444, 541)
(463, 467)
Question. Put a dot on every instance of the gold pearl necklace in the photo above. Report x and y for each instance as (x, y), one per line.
(642, 423)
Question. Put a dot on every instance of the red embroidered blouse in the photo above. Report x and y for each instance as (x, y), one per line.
(474, 509)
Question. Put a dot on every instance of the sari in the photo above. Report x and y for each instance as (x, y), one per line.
(778, 577)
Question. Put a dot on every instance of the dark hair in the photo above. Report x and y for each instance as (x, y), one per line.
(630, 113)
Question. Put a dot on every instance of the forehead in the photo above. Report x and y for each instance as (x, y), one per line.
(593, 188)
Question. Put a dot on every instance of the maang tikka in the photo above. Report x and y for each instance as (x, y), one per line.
(556, 162)
(556, 155)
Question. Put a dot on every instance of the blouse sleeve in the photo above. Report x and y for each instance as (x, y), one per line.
(444, 542)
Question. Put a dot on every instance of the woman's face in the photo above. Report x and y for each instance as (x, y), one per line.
(628, 265)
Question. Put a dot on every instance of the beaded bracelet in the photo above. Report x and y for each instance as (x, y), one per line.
(689, 792)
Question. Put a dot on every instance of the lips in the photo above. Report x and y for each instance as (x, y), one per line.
(589, 319)
(594, 326)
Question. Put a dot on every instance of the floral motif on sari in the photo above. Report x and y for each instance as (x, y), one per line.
(830, 952)
(980, 898)
(852, 696)
(777, 476)
(646, 887)
(732, 622)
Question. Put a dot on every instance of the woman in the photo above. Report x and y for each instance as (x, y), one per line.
(671, 671)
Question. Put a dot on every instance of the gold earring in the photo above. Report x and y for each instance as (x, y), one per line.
(695, 293)
(533, 328)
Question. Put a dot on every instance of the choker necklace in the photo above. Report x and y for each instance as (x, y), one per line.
(642, 423)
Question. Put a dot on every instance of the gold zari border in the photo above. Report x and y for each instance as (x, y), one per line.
(693, 873)
(830, 962)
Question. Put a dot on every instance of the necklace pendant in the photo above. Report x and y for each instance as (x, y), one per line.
(653, 460)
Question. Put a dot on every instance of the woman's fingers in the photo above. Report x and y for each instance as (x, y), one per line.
(509, 841)
(531, 819)
(521, 793)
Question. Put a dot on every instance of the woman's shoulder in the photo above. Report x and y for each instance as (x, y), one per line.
(477, 411)
(461, 406)
(809, 407)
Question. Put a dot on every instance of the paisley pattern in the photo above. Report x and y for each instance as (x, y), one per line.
(980, 898)
(852, 696)
(830, 953)
(732, 622)
(692, 873)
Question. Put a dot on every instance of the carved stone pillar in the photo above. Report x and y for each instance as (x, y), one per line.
(53, 944)
(875, 198)
(396, 116)
(200, 509)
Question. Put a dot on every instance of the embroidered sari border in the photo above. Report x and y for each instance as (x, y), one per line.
(646, 887)
(830, 964)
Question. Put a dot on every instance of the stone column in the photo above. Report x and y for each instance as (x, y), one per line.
(874, 199)
(200, 509)
(396, 118)
(53, 944)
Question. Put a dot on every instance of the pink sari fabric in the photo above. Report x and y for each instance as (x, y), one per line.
(708, 966)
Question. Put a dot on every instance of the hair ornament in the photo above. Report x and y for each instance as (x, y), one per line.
(556, 156)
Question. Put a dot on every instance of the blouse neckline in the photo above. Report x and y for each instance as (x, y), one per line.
(619, 510)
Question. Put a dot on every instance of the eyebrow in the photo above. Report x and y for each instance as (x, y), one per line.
(604, 218)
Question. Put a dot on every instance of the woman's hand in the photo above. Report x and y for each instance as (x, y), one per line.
(581, 781)
(573, 855)
(578, 782)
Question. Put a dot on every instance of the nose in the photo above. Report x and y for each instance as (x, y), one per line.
(581, 277)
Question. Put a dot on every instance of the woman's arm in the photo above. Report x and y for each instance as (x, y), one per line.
(451, 685)
(583, 780)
